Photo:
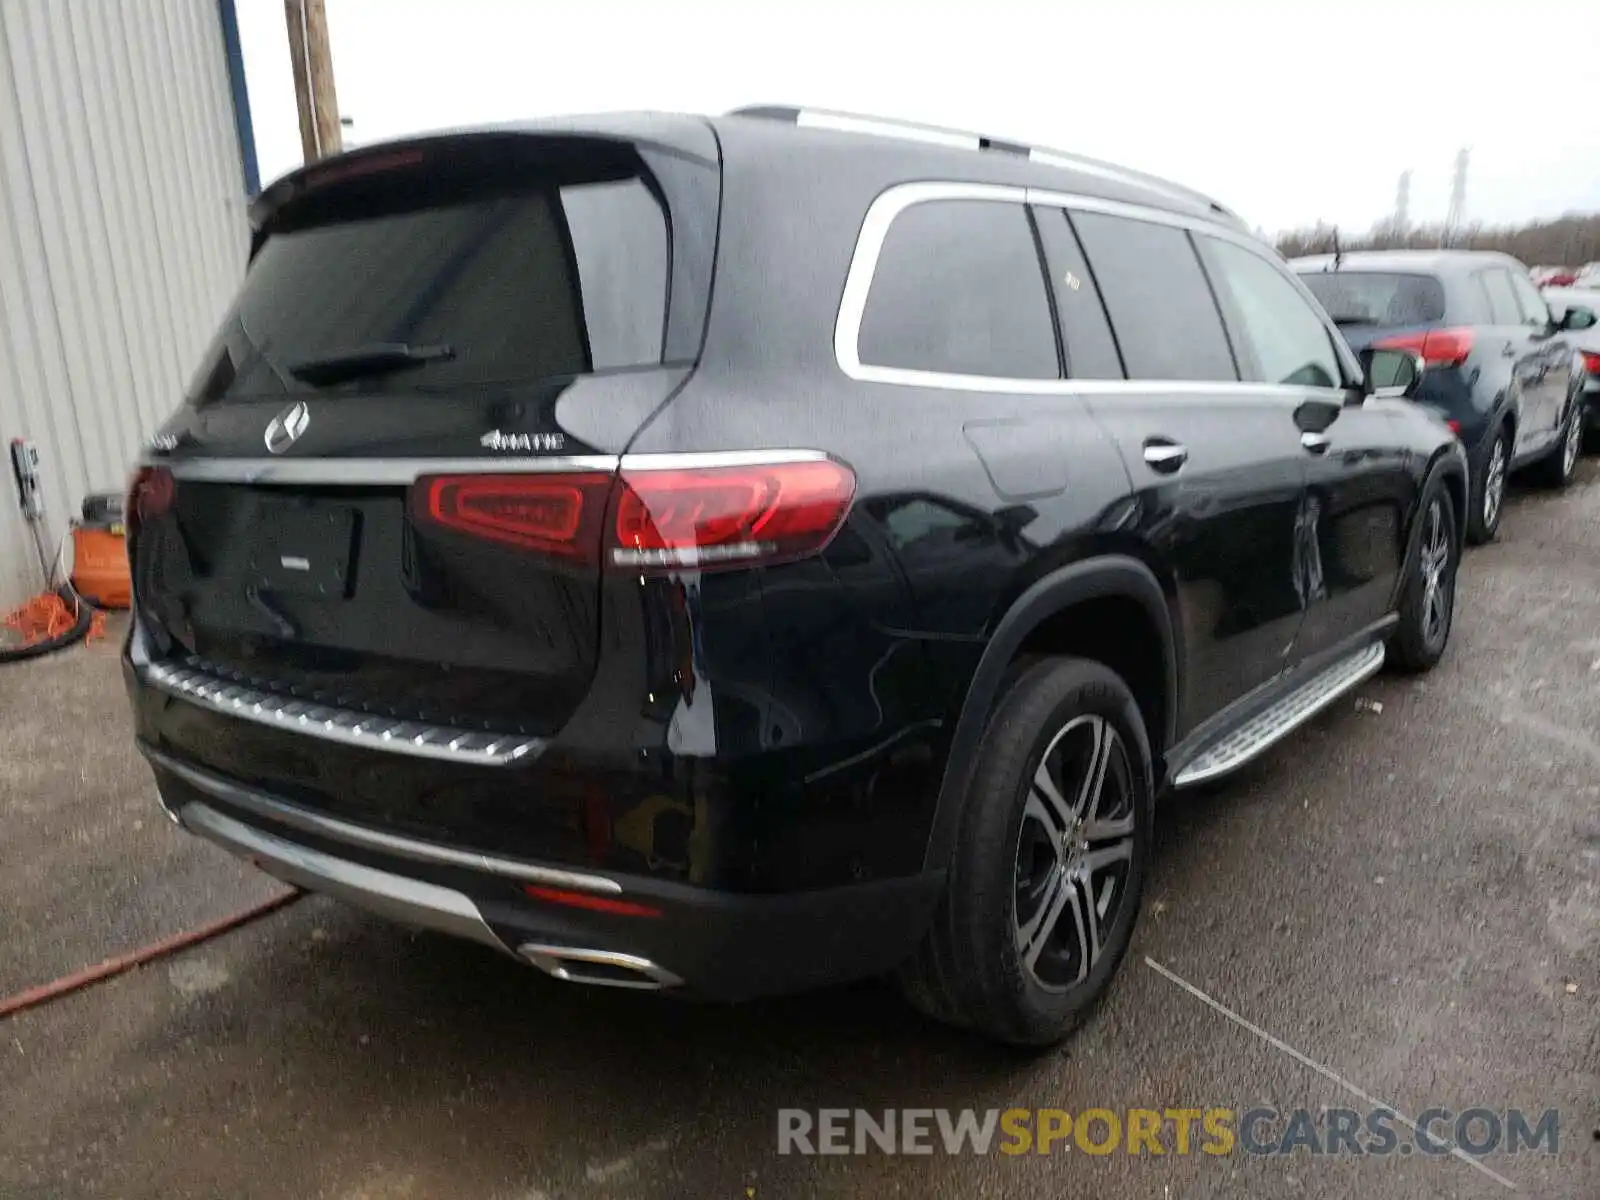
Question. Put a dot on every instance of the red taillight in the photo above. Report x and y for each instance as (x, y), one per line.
(150, 495)
(1591, 363)
(734, 514)
(1438, 347)
(605, 904)
(554, 514)
(1454, 426)
(664, 518)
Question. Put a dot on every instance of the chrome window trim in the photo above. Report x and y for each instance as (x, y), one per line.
(895, 200)
(337, 830)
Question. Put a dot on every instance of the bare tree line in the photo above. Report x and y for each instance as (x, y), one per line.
(1569, 240)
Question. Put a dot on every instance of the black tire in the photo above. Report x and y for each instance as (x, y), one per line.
(1004, 956)
(1486, 498)
(1427, 612)
(1556, 469)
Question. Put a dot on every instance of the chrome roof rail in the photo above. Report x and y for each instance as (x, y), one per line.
(960, 139)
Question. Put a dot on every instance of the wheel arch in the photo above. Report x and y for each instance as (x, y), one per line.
(1109, 581)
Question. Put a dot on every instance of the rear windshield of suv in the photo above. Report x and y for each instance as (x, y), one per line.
(532, 285)
(1377, 297)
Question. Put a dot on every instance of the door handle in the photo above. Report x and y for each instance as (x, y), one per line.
(1165, 457)
(1509, 350)
(1315, 443)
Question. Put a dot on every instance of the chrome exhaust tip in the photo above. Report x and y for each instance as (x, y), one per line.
(599, 968)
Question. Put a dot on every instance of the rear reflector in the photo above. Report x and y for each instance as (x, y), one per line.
(1591, 363)
(663, 518)
(1438, 347)
(605, 904)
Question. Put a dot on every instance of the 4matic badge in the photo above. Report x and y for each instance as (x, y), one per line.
(495, 440)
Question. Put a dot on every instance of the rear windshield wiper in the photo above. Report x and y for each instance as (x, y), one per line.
(375, 358)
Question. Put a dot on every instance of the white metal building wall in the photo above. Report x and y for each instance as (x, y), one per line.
(122, 236)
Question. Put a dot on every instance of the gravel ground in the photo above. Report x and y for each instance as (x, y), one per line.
(1409, 898)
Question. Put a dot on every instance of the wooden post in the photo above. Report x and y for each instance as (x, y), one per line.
(312, 61)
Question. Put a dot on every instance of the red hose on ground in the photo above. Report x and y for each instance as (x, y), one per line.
(55, 989)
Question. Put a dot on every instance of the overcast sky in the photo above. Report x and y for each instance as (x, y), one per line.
(1288, 112)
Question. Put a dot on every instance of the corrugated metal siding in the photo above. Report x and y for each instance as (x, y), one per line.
(122, 236)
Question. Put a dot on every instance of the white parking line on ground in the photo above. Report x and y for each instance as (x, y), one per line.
(1326, 1073)
(1571, 738)
(605, 1172)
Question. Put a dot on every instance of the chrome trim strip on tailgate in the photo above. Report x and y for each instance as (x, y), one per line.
(357, 472)
(240, 698)
(275, 810)
(409, 901)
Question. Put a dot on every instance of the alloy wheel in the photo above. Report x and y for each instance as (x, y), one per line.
(1435, 565)
(1074, 851)
(1494, 483)
(1574, 442)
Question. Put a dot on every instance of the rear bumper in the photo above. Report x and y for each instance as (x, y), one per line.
(702, 942)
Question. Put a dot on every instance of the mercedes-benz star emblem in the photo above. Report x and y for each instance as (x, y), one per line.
(285, 429)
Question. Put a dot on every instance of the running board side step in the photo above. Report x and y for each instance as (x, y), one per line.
(1273, 724)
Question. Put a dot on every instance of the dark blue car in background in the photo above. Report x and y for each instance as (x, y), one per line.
(1499, 369)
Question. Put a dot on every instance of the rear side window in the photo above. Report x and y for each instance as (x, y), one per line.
(1086, 341)
(1502, 299)
(1388, 299)
(539, 284)
(1285, 341)
(1156, 293)
(958, 289)
(1535, 311)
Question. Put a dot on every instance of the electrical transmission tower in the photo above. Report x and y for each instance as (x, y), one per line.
(1402, 207)
(1458, 199)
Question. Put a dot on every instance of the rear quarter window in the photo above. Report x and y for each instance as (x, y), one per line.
(958, 289)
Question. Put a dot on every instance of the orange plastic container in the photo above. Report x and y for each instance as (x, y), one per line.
(100, 564)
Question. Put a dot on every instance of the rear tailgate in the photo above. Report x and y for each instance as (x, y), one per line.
(485, 307)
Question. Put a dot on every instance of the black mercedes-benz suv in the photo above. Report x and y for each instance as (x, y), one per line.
(739, 554)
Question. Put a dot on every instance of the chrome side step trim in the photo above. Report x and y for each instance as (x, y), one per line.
(371, 839)
(1288, 714)
(409, 901)
(568, 963)
(242, 697)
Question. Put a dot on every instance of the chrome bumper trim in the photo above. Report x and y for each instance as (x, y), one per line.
(372, 839)
(409, 901)
(247, 699)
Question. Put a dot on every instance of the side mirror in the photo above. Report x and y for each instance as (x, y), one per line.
(1391, 374)
(1577, 318)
